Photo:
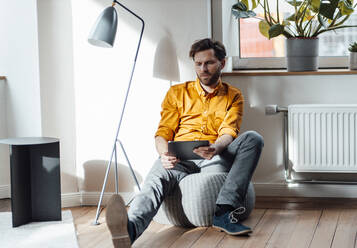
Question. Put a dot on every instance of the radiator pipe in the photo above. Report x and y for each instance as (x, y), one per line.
(275, 109)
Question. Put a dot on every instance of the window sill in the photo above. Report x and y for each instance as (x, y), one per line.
(286, 73)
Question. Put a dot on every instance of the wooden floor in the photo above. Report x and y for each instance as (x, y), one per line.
(276, 222)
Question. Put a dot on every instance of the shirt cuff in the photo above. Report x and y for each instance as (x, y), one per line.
(229, 131)
(165, 133)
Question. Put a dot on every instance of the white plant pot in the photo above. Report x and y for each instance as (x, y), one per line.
(353, 60)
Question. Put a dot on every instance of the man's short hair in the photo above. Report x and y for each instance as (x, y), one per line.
(205, 44)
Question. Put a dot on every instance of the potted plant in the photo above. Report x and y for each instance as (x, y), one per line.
(309, 19)
(353, 56)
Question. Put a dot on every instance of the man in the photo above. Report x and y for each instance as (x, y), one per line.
(205, 109)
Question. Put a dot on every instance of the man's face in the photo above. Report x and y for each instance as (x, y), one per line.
(208, 67)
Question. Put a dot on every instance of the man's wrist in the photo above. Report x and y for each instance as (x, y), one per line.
(217, 149)
(162, 153)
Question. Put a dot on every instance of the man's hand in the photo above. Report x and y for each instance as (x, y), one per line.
(206, 152)
(168, 161)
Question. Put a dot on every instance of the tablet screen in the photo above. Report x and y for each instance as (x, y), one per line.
(184, 149)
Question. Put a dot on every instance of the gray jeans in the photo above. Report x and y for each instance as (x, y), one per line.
(239, 159)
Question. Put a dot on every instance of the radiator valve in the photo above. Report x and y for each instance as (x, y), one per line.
(274, 109)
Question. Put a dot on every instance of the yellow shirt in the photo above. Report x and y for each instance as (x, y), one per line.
(189, 113)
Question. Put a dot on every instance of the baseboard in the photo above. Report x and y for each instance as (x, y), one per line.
(70, 199)
(67, 199)
(306, 190)
(77, 198)
(92, 198)
(5, 191)
(261, 189)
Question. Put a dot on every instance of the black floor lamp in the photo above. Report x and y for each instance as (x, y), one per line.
(103, 35)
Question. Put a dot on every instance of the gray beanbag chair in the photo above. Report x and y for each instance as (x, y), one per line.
(193, 202)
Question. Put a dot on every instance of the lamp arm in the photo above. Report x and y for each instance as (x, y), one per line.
(133, 68)
(142, 22)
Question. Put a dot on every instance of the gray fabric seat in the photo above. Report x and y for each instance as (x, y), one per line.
(192, 203)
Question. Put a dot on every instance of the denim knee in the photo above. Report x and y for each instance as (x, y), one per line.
(255, 138)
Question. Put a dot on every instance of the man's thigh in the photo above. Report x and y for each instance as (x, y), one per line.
(216, 165)
(181, 169)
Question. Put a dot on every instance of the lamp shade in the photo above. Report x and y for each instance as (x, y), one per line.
(105, 28)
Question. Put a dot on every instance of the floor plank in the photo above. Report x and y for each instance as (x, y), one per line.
(5, 205)
(305, 228)
(209, 239)
(285, 227)
(91, 236)
(164, 237)
(238, 241)
(345, 235)
(264, 230)
(283, 222)
(145, 238)
(189, 237)
(326, 228)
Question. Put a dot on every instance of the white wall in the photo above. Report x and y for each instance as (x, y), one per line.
(4, 155)
(19, 62)
(36, 57)
(101, 77)
(56, 77)
(21, 113)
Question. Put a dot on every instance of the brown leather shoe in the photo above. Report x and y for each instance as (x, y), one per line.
(117, 221)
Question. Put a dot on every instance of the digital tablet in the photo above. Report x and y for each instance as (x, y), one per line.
(184, 149)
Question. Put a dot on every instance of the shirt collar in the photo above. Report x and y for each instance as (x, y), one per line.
(202, 92)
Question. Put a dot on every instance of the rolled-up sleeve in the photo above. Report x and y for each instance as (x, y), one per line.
(169, 117)
(233, 118)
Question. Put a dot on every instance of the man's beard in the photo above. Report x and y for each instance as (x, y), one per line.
(212, 80)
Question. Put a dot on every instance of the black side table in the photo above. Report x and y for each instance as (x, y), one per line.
(35, 179)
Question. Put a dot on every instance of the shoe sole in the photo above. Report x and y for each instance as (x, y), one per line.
(232, 233)
(117, 221)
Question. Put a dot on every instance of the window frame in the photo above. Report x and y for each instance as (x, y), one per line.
(268, 63)
(225, 27)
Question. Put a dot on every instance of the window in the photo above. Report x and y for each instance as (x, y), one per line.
(257, 52)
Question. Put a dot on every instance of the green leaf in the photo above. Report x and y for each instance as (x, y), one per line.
(315, 5)
(243, 14)
(245, 2)
(328, 8)
(345, 7)
(294, 2)
(254, 4)
(240, 6)
(323, 23)
(304, 12)
(291, 18)
(264, 28)
(276, 30)
(240, 10)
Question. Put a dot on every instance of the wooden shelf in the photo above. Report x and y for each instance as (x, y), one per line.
(286, 73)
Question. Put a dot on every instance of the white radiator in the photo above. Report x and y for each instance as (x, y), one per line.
(323, 138)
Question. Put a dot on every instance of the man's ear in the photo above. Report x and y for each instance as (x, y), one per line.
(223, 63)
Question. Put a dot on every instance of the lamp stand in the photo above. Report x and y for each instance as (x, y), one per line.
(114, 150)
